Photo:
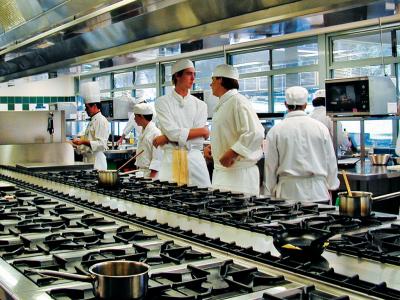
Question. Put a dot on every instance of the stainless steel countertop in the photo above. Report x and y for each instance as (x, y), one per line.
(346, 264)
(365, 171)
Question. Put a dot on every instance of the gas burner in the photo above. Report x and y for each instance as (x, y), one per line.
(127, 236)
(381, 244)
(308, 292)
(94, 257)
(40, 225)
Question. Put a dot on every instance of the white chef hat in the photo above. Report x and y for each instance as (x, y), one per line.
(90, 92)
(226, 71)
(143, 109)
(181, 65)
(296, 95)
(319, 94)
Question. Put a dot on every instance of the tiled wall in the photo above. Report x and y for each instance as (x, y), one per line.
(30, 103)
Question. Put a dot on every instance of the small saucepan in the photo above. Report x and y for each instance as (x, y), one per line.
(111, 279)
(359, 204)
(110, 178)
(301, 242)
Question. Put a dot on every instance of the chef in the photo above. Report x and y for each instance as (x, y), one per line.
(300, 161)
(319, 113)
(131, 124)
(150, 160)
(92, 144)
(182, 120)
(236, 136)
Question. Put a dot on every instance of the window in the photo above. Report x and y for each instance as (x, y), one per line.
(296, 56)
(308, 80)
(145, 76)
(362, 71)
(256, 89)
(204, 69)
(104, 82)
(122, 80)
(251, 62)
(361, 47)
(378, 133)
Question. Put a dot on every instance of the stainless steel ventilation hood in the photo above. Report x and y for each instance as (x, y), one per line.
(110, 28)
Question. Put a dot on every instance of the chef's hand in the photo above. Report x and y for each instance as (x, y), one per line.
(119, 142)
(206, 133)
(228, 159)
(153, 173)
(207, 152)
(80, 142)
(160, 141)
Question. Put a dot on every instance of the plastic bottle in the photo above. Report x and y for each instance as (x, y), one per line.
(131, 138)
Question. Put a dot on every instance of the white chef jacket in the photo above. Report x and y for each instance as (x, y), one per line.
(97, 133)
(236, 126)
(150, 159)
(130, 125)
(319, 113)
(176, 115)
(300, 161)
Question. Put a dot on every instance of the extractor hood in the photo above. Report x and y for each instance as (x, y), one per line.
(105, 29)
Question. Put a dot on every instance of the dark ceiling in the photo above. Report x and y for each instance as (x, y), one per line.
(56, 34)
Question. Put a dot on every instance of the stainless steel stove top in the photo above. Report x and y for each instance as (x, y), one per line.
(227, 233)
(38, 231)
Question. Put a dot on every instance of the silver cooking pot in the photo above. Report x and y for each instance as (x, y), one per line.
(360, 204)
(110, 178)
(111, 279)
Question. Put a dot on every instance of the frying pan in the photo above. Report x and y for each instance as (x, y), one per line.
(301, 242)
(111, 279)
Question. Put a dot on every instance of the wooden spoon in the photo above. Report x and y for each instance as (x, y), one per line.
(346, 181)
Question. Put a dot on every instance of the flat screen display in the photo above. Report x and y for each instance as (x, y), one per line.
(347, 97)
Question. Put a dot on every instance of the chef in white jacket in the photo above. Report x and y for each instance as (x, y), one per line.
(236, 136)
(94, 142)
(131, 124)
(319, 113)
(300, 162)
(150, 160)
(182, 120)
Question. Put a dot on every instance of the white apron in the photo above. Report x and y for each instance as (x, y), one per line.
(305, 189)
(242, 180)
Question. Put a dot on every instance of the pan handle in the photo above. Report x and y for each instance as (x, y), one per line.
(386, 196)
(129, 160)
(86, 278)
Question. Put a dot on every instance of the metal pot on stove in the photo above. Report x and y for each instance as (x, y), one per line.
(357, 205)
(111, 279)
(110, 178)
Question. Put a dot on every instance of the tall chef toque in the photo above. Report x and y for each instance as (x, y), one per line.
(143, 109)
(226, 71)
(90, 92)
(319, 94)
(296, 95)
(181, 65)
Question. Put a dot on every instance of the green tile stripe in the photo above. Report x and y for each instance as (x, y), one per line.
(35, 99)
(26, 100)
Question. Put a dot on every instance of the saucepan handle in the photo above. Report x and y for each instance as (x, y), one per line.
(64, 275)
(386, 196)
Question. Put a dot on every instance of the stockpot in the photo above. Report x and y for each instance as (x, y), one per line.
(111, 279)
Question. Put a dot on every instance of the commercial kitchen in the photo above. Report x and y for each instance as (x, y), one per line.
(192, 242)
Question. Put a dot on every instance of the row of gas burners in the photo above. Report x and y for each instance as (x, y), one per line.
(261, 215)
(41, 232)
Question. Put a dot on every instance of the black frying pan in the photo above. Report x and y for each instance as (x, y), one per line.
(301, 242)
